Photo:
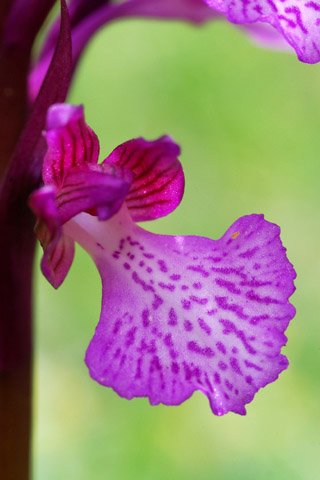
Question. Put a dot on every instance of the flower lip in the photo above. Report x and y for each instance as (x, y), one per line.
(181, 314)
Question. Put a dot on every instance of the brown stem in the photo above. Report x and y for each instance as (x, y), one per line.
(17, 240)
(16, 256)
(14, 64)
(15, 404)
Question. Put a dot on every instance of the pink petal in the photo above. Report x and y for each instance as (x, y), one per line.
(181, 314)
(158, 186)
(86, 189)
(297, 21)
(58, 249)
(71, 142)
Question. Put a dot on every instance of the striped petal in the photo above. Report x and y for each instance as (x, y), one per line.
(71, 143)
(158, 184)
(91, 190)
(58, 249)
(181, 314)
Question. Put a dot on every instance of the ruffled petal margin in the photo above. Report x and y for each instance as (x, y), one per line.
(181, 314)
(298, 21)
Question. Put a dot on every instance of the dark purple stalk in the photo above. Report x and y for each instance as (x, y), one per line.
(17, 240)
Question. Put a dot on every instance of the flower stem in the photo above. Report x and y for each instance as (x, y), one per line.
(16, 257)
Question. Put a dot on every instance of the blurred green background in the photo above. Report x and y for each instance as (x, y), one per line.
(248, 123)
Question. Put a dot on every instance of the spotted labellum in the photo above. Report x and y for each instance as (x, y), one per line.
(179, 313)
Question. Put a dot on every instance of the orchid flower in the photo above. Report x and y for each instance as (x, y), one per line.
(178, 314)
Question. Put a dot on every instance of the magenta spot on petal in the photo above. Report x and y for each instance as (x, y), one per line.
(139, 281)
(168, 340)
(130, 336)
(184, 287)
(234, 350)
(175, 367)
(252, 365)
(187, 325)
(232, 307)
(123, 359)
(126, 266)
(214, 259)
(155, 364)
(138, 370)
(257, 266)
(149, 270)
(197, 285)
(117, 326)
(167, 286)
(220, 346)
(148, 255)
(198, 269)
(204, 326)
(173, 353)
(255, 320)
(173, 319)
(223, 366)
(186, 304)
(163, 266)
(100, 246)
(228, 384)
(229, 327)
(145, 318)
(235, 366)
(199, 301)
(256, 298)
(157, 302)
(141, 264)
(249, 379)
(208, 382)
(217, 378)
(211, 312)
(249, 253)
(230, 286)
(205, 351)
(175, 277)
(117, 353)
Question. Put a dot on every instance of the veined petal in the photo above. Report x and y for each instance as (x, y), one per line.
(91, 189)
(297, 21)
(71, 142)
(181, 314)
(58, 249)
(158, 185)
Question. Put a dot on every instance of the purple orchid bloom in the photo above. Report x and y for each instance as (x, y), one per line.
(178, 314)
